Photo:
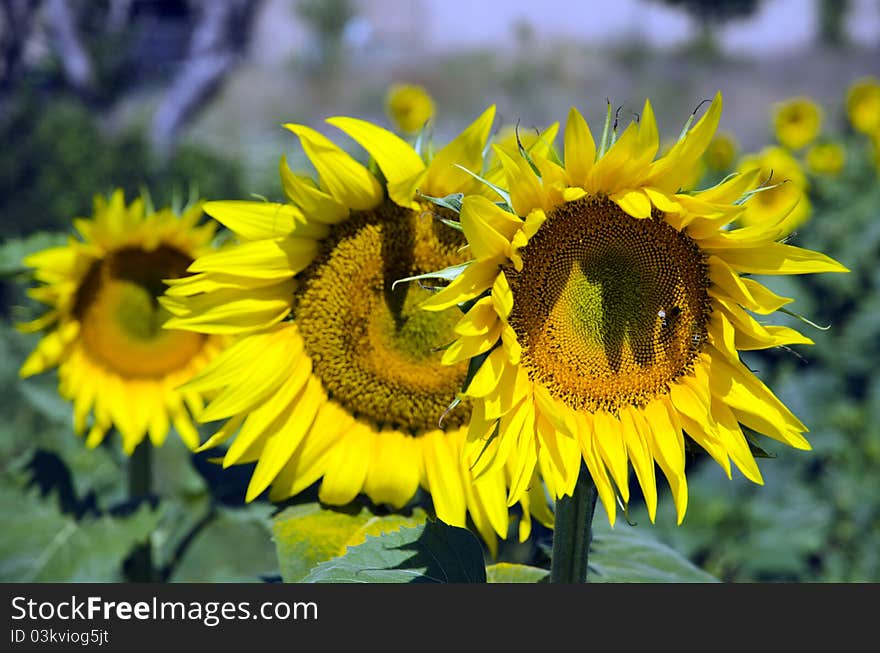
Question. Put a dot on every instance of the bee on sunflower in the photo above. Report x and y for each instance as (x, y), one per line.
(606, 310)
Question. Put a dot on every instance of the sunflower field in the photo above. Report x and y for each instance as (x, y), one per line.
(561, 312)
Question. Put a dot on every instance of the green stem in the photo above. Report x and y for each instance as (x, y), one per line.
(140, 487)
(572, 531)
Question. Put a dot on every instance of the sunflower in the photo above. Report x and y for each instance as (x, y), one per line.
(617, 307)
(797, 122)
(863, 104)
(409, 107)
(338, 374)
(784, 189)
(104, 329)
(825, 158)
(721, 152)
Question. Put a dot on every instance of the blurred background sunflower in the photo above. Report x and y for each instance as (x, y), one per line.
(103, 329)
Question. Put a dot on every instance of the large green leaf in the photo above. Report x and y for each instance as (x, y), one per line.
(235, 546)
(508, 572)
(37, 418)
(429, 553)
(40, 544)
(627, 554)
(309, 534)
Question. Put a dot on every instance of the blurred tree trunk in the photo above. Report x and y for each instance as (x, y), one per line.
(220, 37)
(832, 16)
(104, 50)
(72, 54)
(17, 16)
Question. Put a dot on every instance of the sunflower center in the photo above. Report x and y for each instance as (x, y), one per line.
(375, 352)
(609, 309)
(121, 318)
(796, 116)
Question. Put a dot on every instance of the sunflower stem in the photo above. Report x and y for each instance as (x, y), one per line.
(573, 531)
(140, 487)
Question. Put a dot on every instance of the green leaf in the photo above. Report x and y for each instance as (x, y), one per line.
(430, 553)
(508, 572)
(503, 194)
(36, 417)
(451, 202)
(40, 544)
(174, 474)
(44, 398)
(233, 547)
(627, 554)
(449, 274)
(15, 249)
(309, 534)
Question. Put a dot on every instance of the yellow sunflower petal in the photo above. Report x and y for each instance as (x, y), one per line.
(604, 486)
(487, 228)
(345, 179)
(393, 476)
(465, 150)
(580, 148)
(262, 259)
(230, 312)
(526, 192)
(281, 444)
(754, 404)
(321, 207)
(488, 375)
(669, 172)
(611, 448)
(308, 462)
(744, 291)
(398, 161)
(777, 258)
(667, 447)
(467, 347)
(522, 463)
(264, 421)
(444, 481)
(634, 202)
(731, 436)
(254, 220)
(347, 467)
(639, 452)
(473, 281)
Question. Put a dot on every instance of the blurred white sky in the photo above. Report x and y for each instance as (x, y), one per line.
(427, 26)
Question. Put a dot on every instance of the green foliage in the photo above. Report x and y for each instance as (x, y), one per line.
(56, 158)
(429, 553)
(625, 554)
(716, 10)
(318, 544)
(68, 508)
(307, 535)
(832, 21)
(14, 250)
(211, 558)
(327, 20)
(507, 572)
(49, 545)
